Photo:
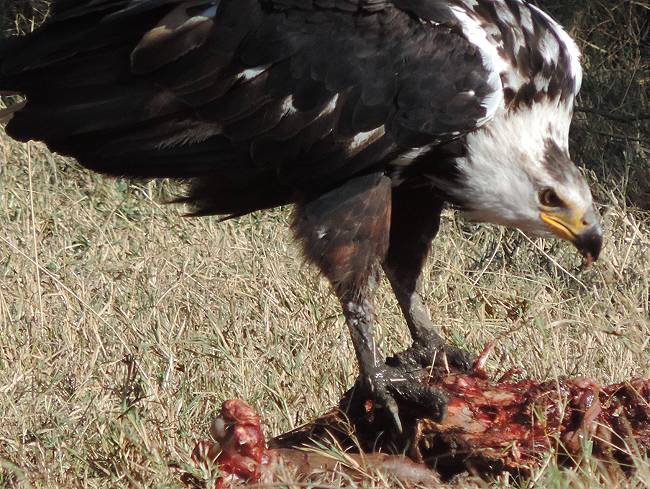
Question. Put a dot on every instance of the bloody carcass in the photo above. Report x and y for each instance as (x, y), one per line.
(490, 427)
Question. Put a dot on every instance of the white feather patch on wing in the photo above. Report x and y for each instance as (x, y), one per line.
(287, 106)
(406, 158)
(549, 49)
(252, 73)
(527, 21)
(178, 22)
(475, 34)
(330, 107)
(363, 139)
(568, 44)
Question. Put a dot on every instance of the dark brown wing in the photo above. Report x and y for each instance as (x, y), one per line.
(252, 99)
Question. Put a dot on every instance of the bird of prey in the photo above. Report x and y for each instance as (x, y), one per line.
(369, 116)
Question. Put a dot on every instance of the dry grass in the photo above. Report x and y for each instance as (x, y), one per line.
(123, 326)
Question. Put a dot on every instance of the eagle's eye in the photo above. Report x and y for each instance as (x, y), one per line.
(549, 198)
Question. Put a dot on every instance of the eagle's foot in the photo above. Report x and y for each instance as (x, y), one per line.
(430, 351)
(389, 391)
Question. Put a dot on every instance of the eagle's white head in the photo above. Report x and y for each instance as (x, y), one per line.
(517, 172)
(516, 169)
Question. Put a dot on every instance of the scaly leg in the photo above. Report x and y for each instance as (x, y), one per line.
(414, 224)
(345, 232)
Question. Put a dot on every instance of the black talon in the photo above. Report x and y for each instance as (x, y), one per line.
(461, 359)
(396, 391)
(391, 407)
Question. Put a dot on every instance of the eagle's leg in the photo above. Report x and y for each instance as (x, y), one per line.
(414, 223)
(345, 232)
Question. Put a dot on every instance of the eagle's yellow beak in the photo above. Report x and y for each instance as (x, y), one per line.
(581, 229)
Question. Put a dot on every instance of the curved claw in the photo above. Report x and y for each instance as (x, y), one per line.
(459, 358)
(393, 410)
(377, 386)
(393, 390)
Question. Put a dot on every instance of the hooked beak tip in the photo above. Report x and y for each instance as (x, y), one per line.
(589, 243)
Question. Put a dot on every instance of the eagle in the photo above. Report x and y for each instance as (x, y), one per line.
(368, 116)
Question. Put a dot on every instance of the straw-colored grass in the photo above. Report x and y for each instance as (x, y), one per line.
(123, 325)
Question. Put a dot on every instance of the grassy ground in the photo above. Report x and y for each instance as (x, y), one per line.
(123, 326)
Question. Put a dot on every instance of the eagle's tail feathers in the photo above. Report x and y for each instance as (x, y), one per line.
(85, 78)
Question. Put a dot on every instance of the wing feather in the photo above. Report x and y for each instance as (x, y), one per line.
(292, 93)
